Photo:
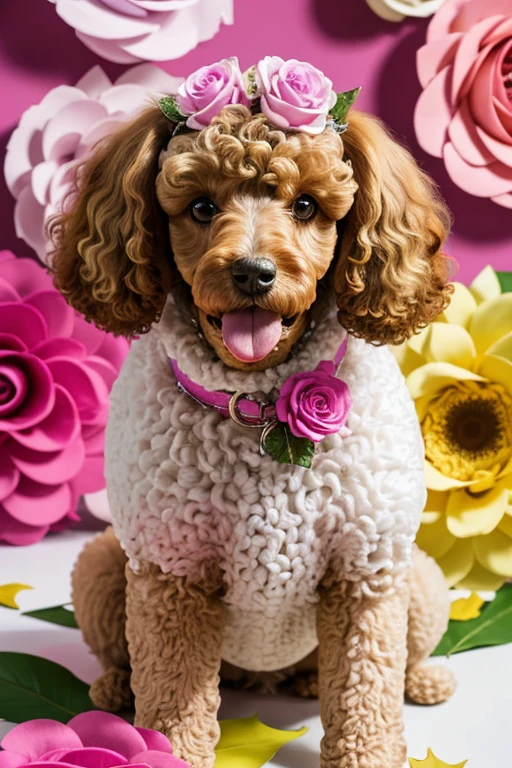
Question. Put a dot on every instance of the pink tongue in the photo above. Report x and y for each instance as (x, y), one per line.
(250, 334)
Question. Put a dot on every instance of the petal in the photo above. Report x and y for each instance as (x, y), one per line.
(481, 181)
(504, 200)
(23, 321)
(101, 729)
(87, 334)
(9, 475)
(444, 342)
(469, 515)
(485, 285)
(49, 468)
(495, 149)
(114, 349)
(39, 399)
(62, 133)
(103, 368)
(150, 77)
(502, 347)
(25, 275)
(458, 561)
(481, 96)
(432, 377)
(494, 552)
(497, 369)
(436, 481)
(467, 52)
(18, 534)
(156, 759)
(60, 347)
(29, 221)
(466, 139)
(97, 504)
(36, 504)
(41, 178)
(155, 740)
(101, 21)
(461, 306)
(60, 427)
(94, 82)
(9, 342)
(7, 292)
(91, 478)
(435, 56)
(108, 49)
(88, 757)
(35, 737)
(481, 580)
(433, 113)
(11, 759)
(57, 314)
(85, 386)
(433, 536)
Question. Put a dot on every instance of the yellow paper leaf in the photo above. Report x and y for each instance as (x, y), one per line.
(466, 608)
(248, 743)
(8, 594)
(432, 761)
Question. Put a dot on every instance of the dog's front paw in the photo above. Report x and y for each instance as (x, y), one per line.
(385, 750)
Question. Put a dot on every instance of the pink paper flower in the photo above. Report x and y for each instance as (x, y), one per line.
(294, 94)
(205, 92)
(314, 404)
(128, 31)
(92, 739)
(55, 135)
(464, 115)
(56, 372)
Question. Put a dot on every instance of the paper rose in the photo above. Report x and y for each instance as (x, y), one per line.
(94, 739)
(464, 114)
(459, 372)
(55, 135)
(207, 91)
(56, 371)
(129, 31)
(314, 404)
(294, 94)
(398, 10)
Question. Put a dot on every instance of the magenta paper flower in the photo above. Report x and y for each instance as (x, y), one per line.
(464, 115)
(56, 372)
(314, 404)
(54, 136)
(205, 92)
(90, 740)
(128, 31)
(294, 94)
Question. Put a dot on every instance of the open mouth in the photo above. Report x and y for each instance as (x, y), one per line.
(251, 334)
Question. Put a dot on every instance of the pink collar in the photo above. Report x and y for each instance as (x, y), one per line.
(241, 407)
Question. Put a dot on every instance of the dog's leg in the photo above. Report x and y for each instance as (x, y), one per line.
(428, 619)
(362, 656)
(99, 590)
(174, 630)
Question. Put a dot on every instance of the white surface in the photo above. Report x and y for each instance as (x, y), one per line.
(476, 724)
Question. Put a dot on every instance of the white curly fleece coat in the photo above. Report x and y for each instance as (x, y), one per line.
(186, 485)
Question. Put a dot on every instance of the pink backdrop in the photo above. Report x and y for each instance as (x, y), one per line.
(341, 37)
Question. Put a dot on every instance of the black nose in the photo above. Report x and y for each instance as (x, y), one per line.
(254, 276)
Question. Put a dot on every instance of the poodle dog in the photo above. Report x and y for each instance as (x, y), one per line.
(241, 253)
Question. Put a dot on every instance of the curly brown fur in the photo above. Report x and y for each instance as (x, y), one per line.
(174, 632)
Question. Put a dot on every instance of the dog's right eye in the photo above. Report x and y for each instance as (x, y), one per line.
(203, 209)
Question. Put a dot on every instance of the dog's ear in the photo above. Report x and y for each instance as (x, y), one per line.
(112, 256)
(391, 276)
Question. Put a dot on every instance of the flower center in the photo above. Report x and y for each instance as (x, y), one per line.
(468, 429)
(506, 71)
(6, 390)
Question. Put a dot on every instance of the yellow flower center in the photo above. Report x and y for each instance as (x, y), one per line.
(468, 430)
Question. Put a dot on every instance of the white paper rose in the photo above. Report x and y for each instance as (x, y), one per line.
(54, 136)
(129, 31)
(398, 10)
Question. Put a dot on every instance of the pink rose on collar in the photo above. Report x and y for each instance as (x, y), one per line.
(294, 94)
(205, 92)
(314, 404)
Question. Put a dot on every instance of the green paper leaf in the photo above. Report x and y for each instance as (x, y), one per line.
(505, 280)
(170, 109)
(248, 743)
(56, 614)
(31, 687)
(9, 592)
(285, 448)
(492, 627)
(343, 103)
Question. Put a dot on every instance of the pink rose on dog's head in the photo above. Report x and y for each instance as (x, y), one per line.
(294, 94)
(314, 404)
(464, 114)
(205, 92)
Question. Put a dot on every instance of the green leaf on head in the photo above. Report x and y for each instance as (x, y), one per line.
(505, 280)
(285, 448)
(169, 107)
(343, 103)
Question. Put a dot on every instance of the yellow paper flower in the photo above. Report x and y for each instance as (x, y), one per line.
(459, 373)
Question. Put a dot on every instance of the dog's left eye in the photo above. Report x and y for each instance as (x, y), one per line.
(203, 209)
(304, 207)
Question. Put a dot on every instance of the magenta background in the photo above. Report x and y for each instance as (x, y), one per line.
(344, 38)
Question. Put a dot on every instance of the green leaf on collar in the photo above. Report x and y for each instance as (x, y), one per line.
(285, 448)
(343, 103)
(170, 109)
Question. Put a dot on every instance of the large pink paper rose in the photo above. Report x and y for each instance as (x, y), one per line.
(205, 92)
(54, 136)
(464, 115)
(128, 31)
(93, 739)
(294, 94)
(56, 372)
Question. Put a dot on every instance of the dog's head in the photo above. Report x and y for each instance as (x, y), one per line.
(252, 221)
